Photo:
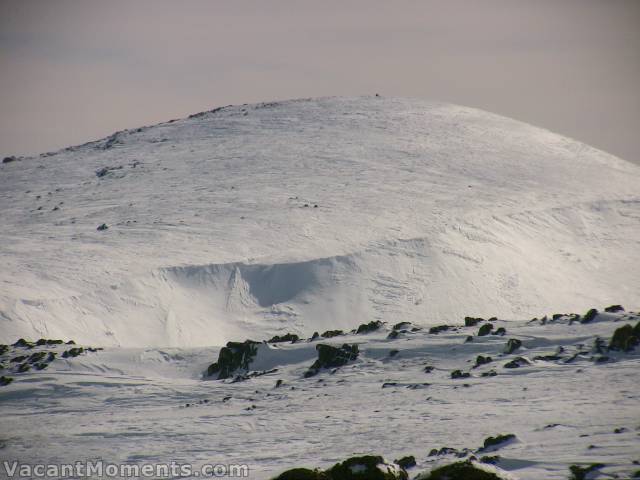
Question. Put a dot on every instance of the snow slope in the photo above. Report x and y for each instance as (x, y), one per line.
(425, 212)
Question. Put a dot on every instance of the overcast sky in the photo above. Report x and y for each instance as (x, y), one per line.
(73, 71)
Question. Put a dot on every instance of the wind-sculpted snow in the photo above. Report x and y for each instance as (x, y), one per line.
(311, 215)
(572, 405)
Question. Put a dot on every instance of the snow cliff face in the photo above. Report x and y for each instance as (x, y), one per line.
(309, 215)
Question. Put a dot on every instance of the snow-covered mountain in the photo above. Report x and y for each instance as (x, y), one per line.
(308, 215)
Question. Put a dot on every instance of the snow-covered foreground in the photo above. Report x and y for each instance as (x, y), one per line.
(140, 406)
(309, 215)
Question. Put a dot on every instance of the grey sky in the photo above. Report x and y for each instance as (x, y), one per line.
(72, 71)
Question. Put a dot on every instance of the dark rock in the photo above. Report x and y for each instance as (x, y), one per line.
(460, 374)
(9, 159)
(289, 337)
(614, 309)
(102, 227)
(332, 333)
(512, 345)
(235, 356)
(331, 357)
(428, 369)
(315, 336)
(18, 359)
(302, 474)
(393, 335)
(490, 373)
(490, 459)
(24, 367)
(485, 329)
(492, 443)
(369, 327)
(482, 360)
(589, 316)
(37, 357)
(406, 462)
(393, 353)
(448, 451)
(439, 328)
(368, 467)
(500, 331)
(620, 430)
(625, 338)
(547, 358)
(468, 339)
(472, 322)
(402, 325)
(73, 352)
(23, 343)
(3, 349)
(466, 470)
(580, 473)
(5, 380)
(517, 363)
(40, 365)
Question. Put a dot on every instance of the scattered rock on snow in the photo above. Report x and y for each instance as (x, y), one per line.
(331, 357)
(512, 345)
(467, 470)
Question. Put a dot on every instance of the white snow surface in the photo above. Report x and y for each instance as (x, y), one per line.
(425, 212)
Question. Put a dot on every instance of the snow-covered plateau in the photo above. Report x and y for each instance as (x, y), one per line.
(153, 248)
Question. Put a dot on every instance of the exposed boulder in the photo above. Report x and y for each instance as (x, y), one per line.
(5, 380)
(625, 338)
(10, 159)
(302, 474)
(235, 356)
(102, 227)
(368, 467)
(440, 328)
(485, 329)
(512, 345)
(589, 316)
(460, 374)
(500, 332)
(482, 360)
(372, 326)
(467, 470)
(517, 363)
(332, 333)
(472, 322)
(332, 357)
(580, 473)
(614, 309)
(493, 443)
(288, 337)
(408, 461)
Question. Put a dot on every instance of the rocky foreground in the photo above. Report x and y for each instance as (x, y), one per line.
(554, 397)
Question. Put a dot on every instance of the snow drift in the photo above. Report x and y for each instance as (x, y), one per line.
(306, 215)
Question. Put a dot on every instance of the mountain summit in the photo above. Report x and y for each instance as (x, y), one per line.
(306, 215)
